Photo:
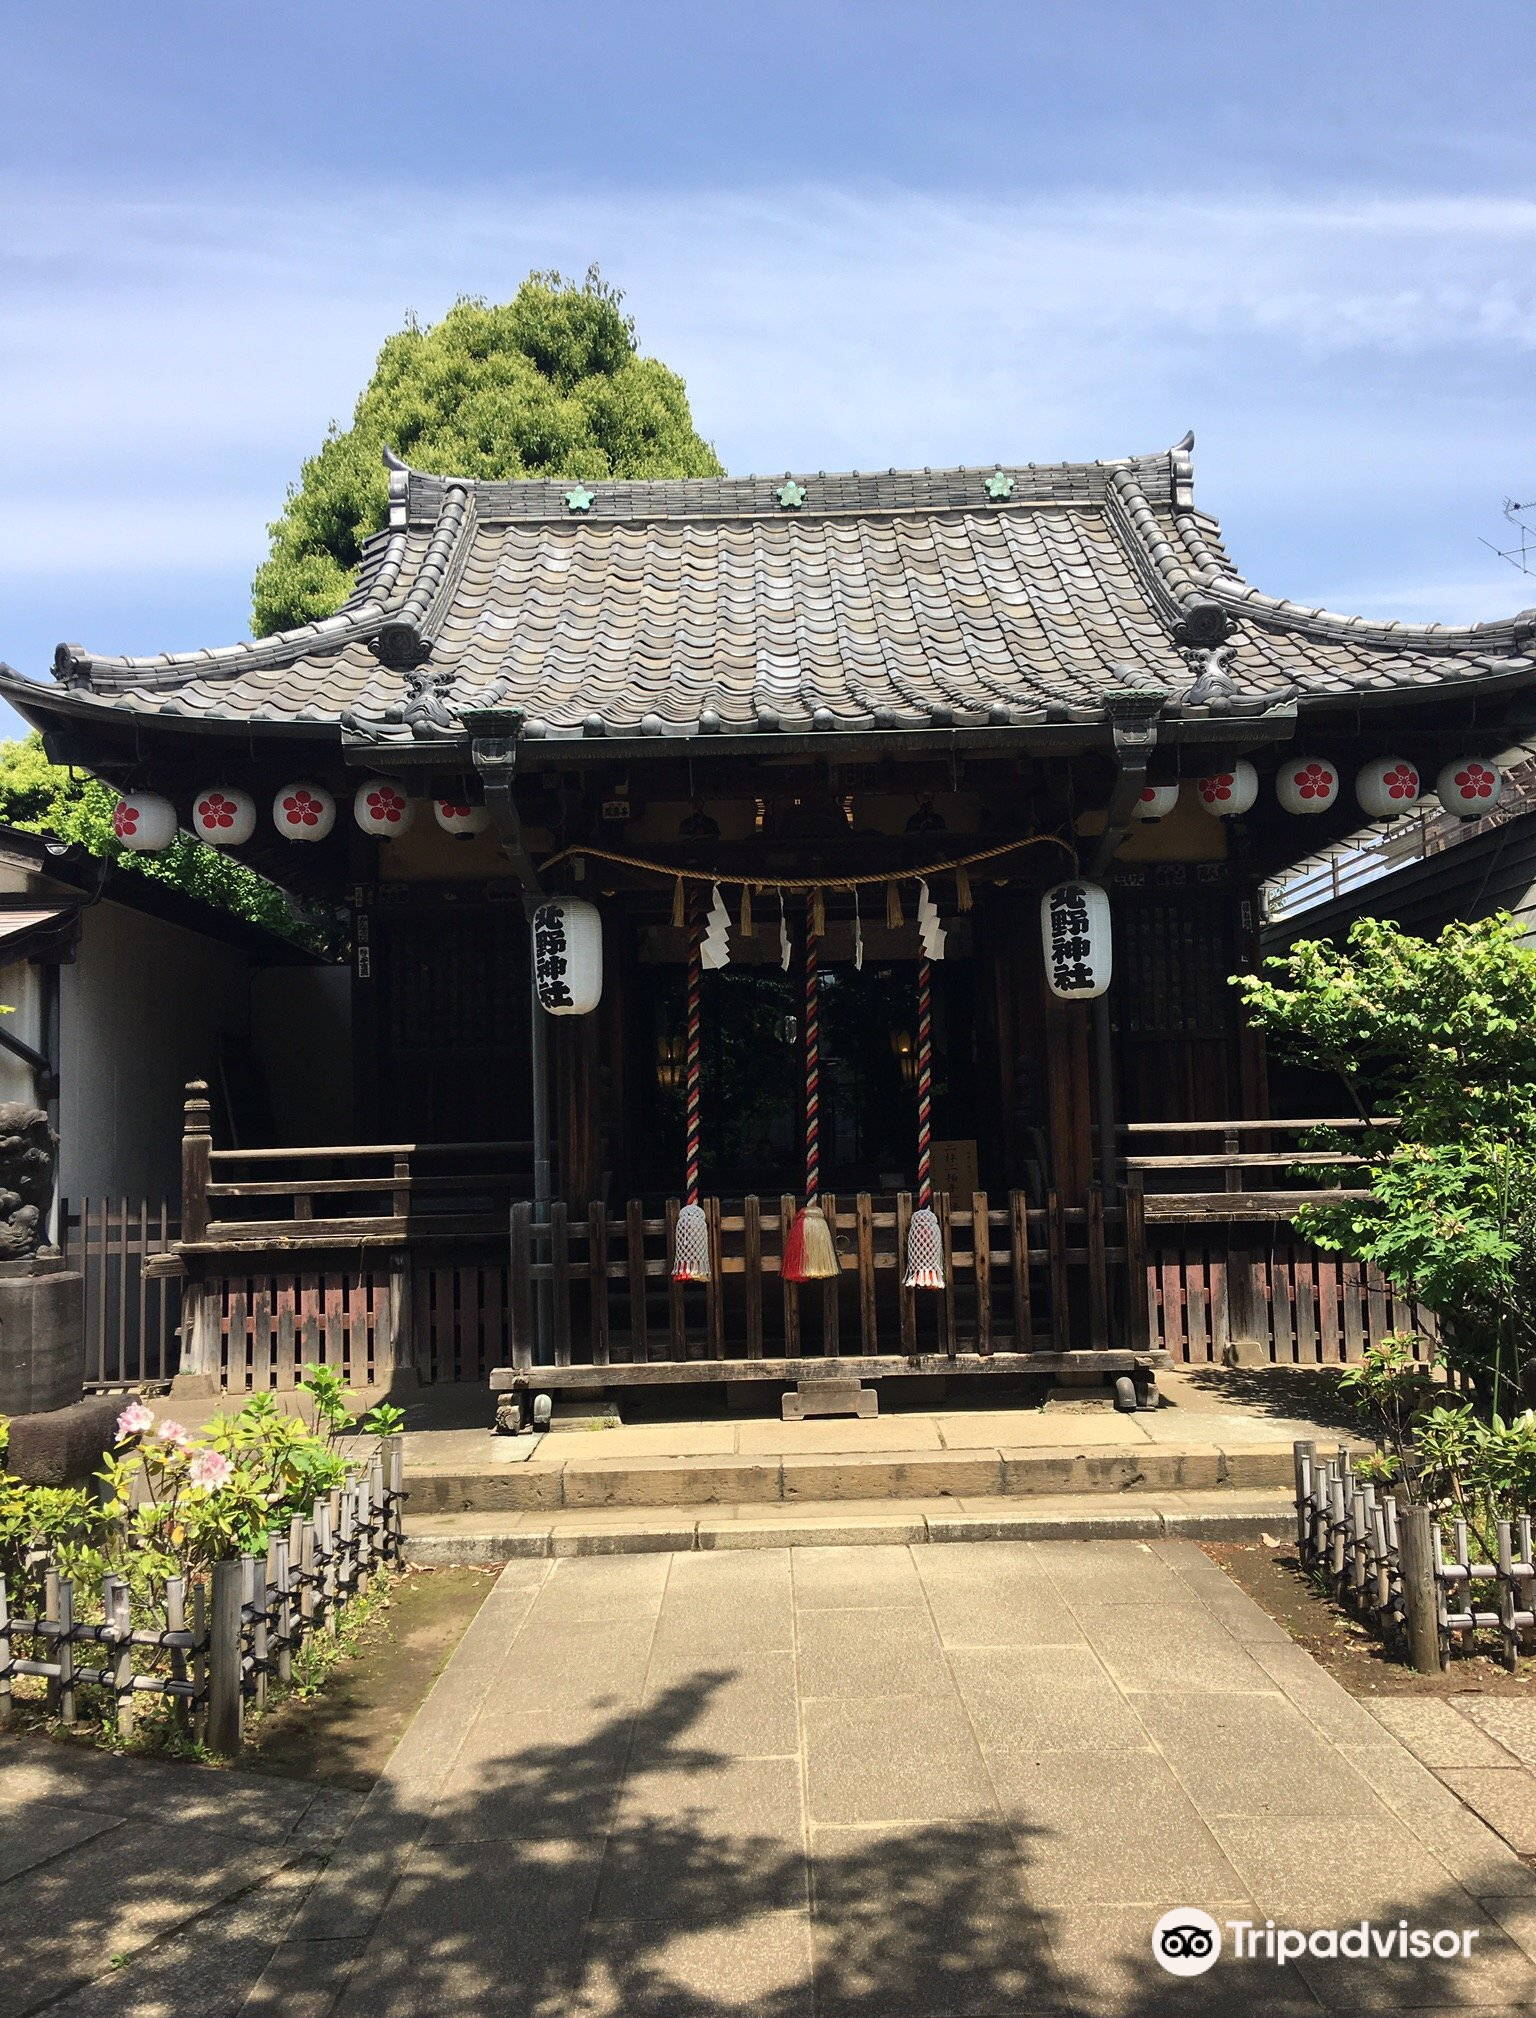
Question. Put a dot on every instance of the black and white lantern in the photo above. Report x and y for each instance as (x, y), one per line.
(1307, 784)
(144, 822)
(1156, 802)
(303, 812)
(1386, 787)
(224, 816)
(381, 808)
(568, 956)
(459, 818)
(1231, 792)
(1079, 954)
(1470, 787)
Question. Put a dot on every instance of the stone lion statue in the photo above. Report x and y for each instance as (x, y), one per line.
(28, 1147)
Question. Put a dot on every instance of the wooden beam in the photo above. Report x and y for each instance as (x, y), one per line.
(662, 1372)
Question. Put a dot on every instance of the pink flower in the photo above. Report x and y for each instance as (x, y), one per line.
(173, 1433)
(134, 1421)
(210, 1469)
(125, 820)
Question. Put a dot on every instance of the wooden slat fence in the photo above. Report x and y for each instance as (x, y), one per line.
(132, 1316)
(268, 1325)
(1018, 1278)
(1269, 1295)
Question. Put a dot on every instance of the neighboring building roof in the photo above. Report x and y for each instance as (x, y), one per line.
(908, 600)
(36, 870)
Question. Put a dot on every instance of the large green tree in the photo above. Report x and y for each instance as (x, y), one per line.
(549, 384)
(1440, 1033)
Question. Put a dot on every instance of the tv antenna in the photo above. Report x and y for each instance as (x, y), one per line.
(1522, 554)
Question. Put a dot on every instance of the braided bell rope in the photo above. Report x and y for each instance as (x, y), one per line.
(695, 989)
(924, 1081)
(812, 1072)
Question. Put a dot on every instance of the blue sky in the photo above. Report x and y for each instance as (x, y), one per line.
(868, 232)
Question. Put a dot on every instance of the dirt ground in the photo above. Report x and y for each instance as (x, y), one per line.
(1272, 1577)
(346, 1732)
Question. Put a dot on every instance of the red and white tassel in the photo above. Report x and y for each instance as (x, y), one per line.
(810, 1254)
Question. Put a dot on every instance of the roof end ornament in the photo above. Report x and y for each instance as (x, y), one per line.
(72, 665)
(393, 461)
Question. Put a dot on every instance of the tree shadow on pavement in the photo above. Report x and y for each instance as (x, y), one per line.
(632, 1870)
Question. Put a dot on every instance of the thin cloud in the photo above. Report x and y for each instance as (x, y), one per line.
(166, 366)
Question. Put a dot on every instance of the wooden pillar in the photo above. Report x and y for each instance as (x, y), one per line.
(578, 1107)
(196, 1160)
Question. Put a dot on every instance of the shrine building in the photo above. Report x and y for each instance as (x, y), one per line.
(888, 841)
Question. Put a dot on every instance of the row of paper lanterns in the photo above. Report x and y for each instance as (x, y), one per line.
(1384, 788)
(226, 815)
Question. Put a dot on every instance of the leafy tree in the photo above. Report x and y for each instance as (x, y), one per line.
(1439, 1033)
(550, 383)
(43, 798)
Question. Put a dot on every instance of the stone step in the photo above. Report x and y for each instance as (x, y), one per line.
(442, 1539)
(532, 1479)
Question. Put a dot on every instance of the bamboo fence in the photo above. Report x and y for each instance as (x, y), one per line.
(225, 1639)
(1410, 1573)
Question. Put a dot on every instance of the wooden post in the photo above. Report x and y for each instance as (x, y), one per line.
(196, 1160)
(1303, 1458)
(5, 1659)
(1138, 1316)
(1421, 1598)
(118, 1615)
(226, 1703)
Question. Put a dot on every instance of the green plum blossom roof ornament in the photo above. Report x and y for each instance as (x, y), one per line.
(791, 495)
(999, 485)
(579, 499)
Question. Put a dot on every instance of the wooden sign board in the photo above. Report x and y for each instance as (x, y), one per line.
(955, 1168)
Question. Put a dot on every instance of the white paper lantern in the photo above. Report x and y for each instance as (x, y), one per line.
(1230, 792)
(1079, 953)
(381, 808)
(459, 818)
(144, 822)
(304, 812)
(1307, 784)
(1156, 802)
(224, 816)
(568, 956)
(1386, 787)
(1470, 786)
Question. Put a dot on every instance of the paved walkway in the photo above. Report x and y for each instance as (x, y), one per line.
(132, 1888)
(875, 1783)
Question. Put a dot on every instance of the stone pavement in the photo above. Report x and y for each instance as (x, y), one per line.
(129, 1887)
(883, 1782)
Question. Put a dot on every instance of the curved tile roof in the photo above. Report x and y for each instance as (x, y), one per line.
(902, 599)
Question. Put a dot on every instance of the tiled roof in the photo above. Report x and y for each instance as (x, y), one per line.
(904, 599)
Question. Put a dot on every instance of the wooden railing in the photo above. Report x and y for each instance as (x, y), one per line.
(1194, 1186)
(372, 1193)
(1018, 1279)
